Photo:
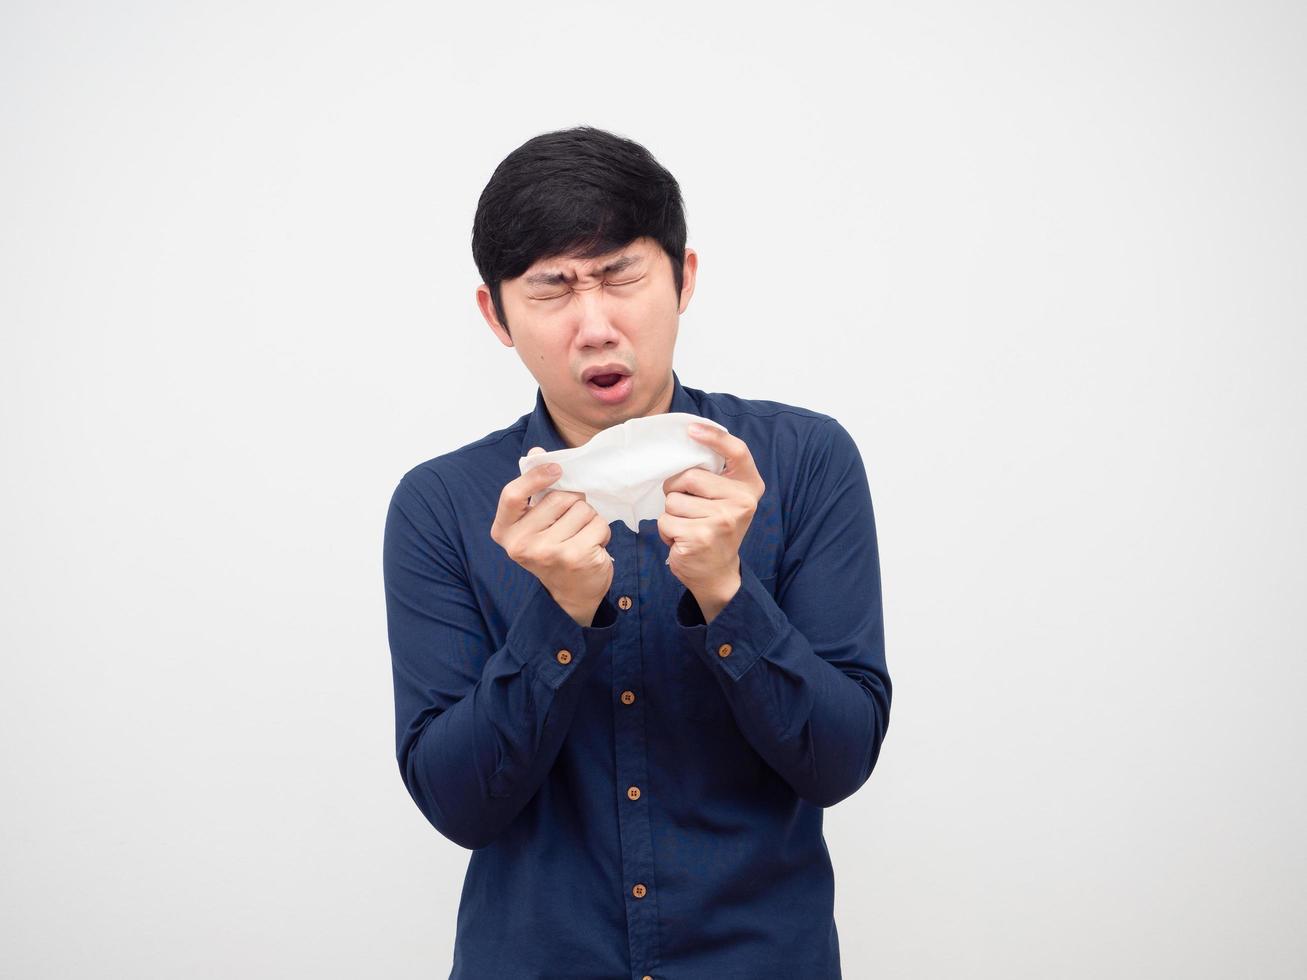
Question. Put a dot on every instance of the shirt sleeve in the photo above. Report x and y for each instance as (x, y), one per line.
(477, 728)
(805, 672)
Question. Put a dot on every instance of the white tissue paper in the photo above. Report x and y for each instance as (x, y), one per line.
(621, 469)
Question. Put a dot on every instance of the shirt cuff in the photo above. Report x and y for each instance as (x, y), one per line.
(543, 630)
(743, 631)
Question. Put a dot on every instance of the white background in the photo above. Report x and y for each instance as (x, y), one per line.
(1044, 260)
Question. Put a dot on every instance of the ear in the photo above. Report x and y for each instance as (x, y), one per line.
(688, 271)
(487, 307)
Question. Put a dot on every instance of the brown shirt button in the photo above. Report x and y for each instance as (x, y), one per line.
(724, 650)
(633, 792)
(563, 656)
(639, 891)
(624, 602)
(646, 977)
(628, 697)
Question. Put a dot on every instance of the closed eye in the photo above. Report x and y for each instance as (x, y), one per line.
(545, 299)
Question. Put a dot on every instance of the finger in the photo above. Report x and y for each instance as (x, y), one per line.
(674, 527)
(532, 454)
(534, 451)
(732, 448)
(701, 483)
(680, 504)
(566, 524)
(594, 533)
(548, 511)
(513, 498)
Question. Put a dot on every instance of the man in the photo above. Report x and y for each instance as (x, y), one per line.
(636, 750)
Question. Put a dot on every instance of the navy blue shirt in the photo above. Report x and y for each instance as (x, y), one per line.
(643, 796)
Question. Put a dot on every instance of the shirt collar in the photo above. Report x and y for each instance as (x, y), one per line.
(540, 429)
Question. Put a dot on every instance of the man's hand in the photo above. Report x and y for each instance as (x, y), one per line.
(560, 540)
(705, 518)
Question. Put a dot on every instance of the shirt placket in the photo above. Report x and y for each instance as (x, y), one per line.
(631, 750)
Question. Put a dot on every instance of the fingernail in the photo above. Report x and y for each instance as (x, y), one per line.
(553, 469)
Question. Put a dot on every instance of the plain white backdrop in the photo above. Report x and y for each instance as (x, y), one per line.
(1044, 260)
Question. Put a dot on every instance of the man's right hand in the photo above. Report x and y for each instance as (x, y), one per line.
(560, 540)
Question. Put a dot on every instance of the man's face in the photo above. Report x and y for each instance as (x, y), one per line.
(567, 316)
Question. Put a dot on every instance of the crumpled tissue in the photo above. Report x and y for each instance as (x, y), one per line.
(621, 469)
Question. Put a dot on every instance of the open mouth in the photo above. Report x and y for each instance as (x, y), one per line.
(612, 388)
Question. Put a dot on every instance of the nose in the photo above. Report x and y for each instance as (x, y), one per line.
(595, 325)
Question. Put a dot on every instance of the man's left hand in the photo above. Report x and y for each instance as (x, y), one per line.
(705, 518)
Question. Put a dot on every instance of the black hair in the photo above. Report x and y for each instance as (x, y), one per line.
(579, 192)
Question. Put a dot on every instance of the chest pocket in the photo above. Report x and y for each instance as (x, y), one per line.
(698, 694)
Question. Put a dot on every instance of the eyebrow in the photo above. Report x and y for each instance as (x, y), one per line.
(559, 278)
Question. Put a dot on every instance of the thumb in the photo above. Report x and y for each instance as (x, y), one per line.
(530, 501)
